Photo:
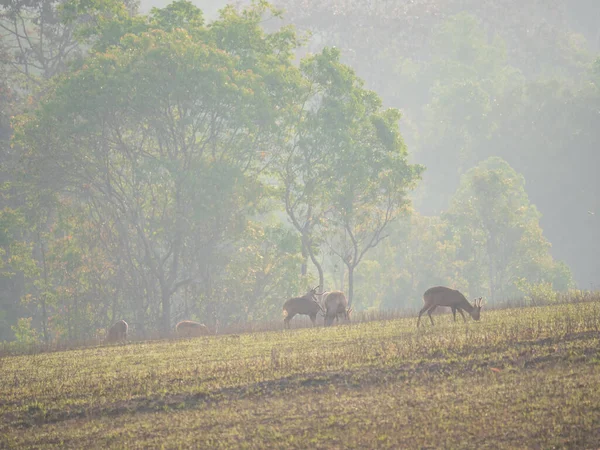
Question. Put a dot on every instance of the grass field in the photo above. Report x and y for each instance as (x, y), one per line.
(520, 378)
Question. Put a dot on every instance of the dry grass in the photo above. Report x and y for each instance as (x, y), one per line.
(519, 378)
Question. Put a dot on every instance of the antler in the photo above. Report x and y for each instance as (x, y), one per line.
(314, 290)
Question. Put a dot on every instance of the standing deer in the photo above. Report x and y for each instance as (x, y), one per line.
(443, 296)
(307, 305)
(189, 328)
(336, 305)
(118, 332)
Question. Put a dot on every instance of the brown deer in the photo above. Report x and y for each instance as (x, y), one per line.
(336, 305)
(189, 328)
(306, 305)
(443, 296)
(118, 332)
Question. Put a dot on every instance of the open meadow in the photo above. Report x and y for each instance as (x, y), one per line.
(520, 378)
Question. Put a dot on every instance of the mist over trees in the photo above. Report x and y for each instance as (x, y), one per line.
(166, 166)
(476, 79)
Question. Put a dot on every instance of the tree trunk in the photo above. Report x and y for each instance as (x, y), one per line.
(492, 255)
(113, 309)
(43, 296)
(319, 270)
(304, 267)
(350, 285)
(166, 311)
(321, 277)
(314, 260)
(492, 284)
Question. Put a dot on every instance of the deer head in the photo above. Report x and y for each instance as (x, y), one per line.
(477, 305)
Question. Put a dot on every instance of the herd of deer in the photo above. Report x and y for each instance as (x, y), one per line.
(333, 305)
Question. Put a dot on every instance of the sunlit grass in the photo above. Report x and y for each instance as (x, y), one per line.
(370, 384)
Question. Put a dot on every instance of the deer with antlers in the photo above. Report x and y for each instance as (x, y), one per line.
(307, 305)
(443, 296)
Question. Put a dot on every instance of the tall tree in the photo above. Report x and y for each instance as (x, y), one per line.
(498, 230)
(345, 173)
(319, 133)
(374, 178)
(162, 135)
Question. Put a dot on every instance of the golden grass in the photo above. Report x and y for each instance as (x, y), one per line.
(519, 378)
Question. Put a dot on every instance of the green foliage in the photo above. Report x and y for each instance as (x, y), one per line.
(498, 230)
(418, 254)
(481, 105)
(536, 292)
(151, 182)
(346, 174)
(485, 82)
(101, 22)
(261, 275)
(12, 223)
(489, 241)
(179, 14)
(24, 333)
(162, 139)
(467, 73)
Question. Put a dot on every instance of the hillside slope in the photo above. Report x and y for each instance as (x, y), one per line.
(520, 377)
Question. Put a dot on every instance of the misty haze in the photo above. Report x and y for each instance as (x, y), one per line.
(299, 224)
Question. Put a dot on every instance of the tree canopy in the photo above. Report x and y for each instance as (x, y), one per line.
(166, 166)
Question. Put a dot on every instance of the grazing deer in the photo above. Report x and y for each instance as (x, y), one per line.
(443, 296)
(189, 328)
(307, 305)
(118, 332)
(336, 305)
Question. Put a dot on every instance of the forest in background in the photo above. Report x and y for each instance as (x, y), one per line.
(166, 166)
(480, 78)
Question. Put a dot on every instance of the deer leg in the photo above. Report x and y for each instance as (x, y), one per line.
(286, 321)
(429, 311)
(463, 316)
(313, 319)
(454, 312)
(420, 313)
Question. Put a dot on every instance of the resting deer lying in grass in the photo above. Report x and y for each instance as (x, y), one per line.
(307, 305)
(443, 296)
(118, 332)
(189, 328)
(336, 306)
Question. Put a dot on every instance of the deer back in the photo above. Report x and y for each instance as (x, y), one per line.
(117, 332)
(336, 304)
(302, 305)
(189, 328)
(443, 296)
